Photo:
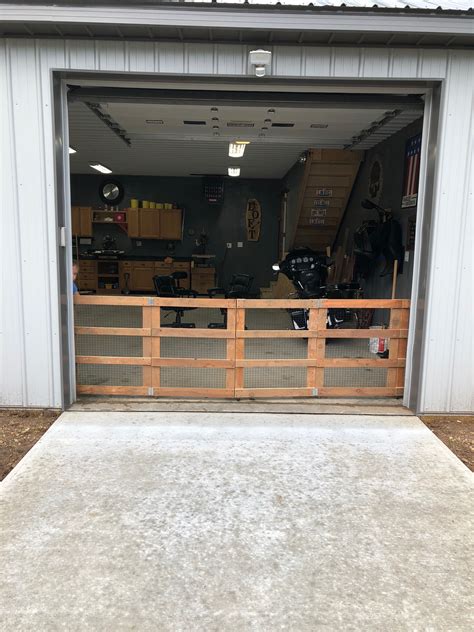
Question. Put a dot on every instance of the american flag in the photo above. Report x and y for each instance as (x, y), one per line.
(412, 170)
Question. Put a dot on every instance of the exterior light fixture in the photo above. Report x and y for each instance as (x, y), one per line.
(72, 150)
(98, 167)
(260, 59)
(234, 172)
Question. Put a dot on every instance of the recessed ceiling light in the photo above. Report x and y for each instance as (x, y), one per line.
(214, 109)
(319, 125)
(271, 111)
(216, 134)
(215, 127)
(267, 121)
(154, 121)
(234, 172)
(264, 128)
(215, 118)
(72, 150)
(98, 167)
(236, 150)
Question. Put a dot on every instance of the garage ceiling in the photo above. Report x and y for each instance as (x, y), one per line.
(183, 139)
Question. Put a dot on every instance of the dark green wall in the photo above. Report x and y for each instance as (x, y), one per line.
(223, 224)
(392, 156)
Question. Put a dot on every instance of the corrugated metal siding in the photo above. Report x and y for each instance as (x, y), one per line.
(30, 347)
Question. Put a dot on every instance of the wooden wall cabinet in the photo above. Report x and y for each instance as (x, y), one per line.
(133, 222)
(149, 223)
(171, 223)
(82, 221)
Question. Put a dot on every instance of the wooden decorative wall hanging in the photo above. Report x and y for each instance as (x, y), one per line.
(253, 218)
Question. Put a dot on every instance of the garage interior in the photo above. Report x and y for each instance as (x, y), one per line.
(306, 159)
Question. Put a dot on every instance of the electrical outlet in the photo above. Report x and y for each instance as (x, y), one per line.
(229, 245)
(240, 244)
(407, 256)
(138, 243)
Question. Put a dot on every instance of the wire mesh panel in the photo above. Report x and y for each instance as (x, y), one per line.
(192, 378)
(275, 377)
(267, 319)
(113, 350)
(91, 315)
(200, 318)
(109, 375)
(124, 346)
(193, 348)
(276, 348)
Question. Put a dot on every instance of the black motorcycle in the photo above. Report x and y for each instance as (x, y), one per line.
(308, 271)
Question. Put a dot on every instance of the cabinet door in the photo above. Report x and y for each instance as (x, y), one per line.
(170, 224)
(126, 282)
(203, 279)
(142, 277)
(132, 221)
(149, 223)
(86, 221)
(76, 220)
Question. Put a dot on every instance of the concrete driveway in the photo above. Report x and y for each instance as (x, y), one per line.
(229, 522)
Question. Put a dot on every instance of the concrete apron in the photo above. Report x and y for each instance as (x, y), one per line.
(229, 522)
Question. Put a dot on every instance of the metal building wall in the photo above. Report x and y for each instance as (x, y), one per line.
(30, 344)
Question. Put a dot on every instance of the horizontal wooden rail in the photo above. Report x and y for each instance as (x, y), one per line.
(113, 331)
(193, 362)
(129, 360)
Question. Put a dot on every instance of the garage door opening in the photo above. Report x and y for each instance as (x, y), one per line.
(242, 244)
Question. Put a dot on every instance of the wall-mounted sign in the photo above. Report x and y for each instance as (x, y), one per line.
(412, 171)
(319, 212)
(324, 192)
(375, 180)
(320, 202)
(253, 218)
(317, 221)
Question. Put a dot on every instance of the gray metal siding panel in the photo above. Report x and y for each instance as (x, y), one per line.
(30, 338)
(448, 360)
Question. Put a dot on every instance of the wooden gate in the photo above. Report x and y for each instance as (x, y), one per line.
(123, 348)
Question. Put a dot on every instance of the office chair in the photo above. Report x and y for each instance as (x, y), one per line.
(165, 287)
(239, 287)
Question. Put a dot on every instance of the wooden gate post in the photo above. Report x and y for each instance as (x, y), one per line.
(316, 348)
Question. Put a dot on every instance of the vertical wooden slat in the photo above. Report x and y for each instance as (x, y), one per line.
(230, 347)
(239, 346)
(147, 314)
(396, 317)
(156, 348)
(316, 347)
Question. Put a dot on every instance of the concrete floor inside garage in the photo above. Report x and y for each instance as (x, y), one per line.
(230, 521)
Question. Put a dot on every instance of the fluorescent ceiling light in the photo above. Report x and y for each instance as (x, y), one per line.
(98, 167)
(72, 150)
(233, 171)
(154, 121)
(236, 150)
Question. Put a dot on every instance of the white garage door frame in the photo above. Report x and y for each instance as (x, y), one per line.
(439, 371)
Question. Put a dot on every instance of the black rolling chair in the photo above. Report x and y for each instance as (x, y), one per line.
(239, 287)
(165, 287)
